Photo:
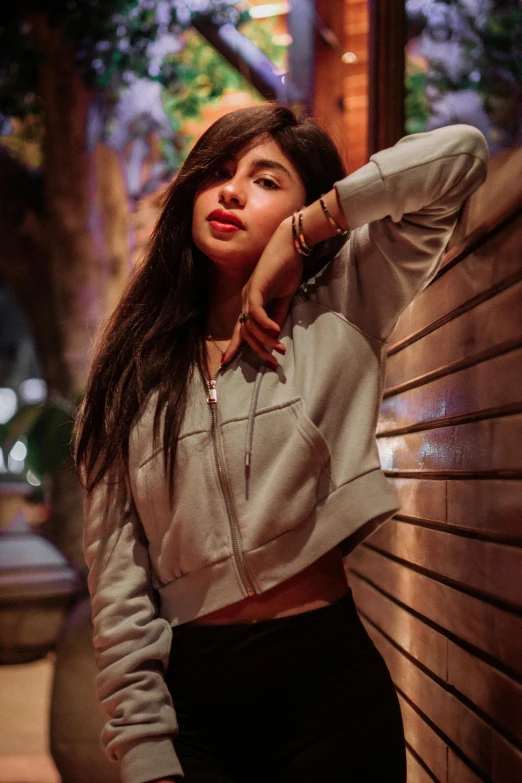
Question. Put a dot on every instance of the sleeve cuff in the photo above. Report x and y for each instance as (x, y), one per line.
(150, 759)
(363, 196)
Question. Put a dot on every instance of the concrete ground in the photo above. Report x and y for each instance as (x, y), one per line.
(24, 734)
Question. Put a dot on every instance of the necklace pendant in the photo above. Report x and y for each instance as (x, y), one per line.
(212, 392)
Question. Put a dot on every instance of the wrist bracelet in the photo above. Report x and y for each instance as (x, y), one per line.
(298, 236)
(331, 219)
(302, 240)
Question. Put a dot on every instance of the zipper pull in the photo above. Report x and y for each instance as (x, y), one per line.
(212, 392)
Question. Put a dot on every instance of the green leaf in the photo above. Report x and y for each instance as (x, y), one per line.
(49, 440)
(48, 431)
(19, 424)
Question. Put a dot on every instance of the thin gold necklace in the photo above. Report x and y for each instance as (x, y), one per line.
(221, 351)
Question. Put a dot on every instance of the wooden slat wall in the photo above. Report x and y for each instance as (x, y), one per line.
(439, 586)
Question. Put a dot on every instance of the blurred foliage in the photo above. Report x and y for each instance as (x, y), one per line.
(461, 46)
(417, 106)
(116, 43)
(112, 40)
(47, 430)
(203, 75)
(24, 141)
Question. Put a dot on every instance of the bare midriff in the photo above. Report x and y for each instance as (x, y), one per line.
(320, 584)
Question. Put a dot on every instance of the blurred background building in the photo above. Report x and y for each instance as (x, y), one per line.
(100, 102)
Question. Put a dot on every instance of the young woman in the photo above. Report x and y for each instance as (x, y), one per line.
(227, 444)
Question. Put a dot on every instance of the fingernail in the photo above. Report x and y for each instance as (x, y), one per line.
(280, 349)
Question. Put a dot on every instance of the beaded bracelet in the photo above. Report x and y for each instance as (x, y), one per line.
(338, 230)
(298, 235)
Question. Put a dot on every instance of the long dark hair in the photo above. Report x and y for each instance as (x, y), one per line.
(155, 338)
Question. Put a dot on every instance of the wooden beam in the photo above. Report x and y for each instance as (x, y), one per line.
(250, 61)
(387, 42)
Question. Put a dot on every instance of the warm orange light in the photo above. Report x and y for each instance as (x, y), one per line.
(282, 39)
(349, 58)
(269, 9)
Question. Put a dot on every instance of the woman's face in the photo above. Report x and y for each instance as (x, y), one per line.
(242, 204)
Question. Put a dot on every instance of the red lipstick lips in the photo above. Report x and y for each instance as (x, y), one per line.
(225, 221)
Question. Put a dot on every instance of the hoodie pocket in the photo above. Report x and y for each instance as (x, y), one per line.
(193, 531)
(287, 474)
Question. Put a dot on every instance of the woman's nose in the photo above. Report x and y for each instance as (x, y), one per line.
(232, 193)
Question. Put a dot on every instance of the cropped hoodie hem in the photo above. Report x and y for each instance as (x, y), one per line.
(200, 592)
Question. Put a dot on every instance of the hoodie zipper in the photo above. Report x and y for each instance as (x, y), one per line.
(212, 400)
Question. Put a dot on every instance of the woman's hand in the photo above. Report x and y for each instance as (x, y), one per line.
(273, 283)
(276, 278)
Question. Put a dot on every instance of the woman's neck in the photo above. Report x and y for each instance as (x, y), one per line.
(225, 302)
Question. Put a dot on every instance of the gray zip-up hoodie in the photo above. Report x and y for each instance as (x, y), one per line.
(284, 466)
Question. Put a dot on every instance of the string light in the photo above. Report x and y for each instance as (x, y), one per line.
(32, 479)
(269, 9)
(349, 58)
(19, 451)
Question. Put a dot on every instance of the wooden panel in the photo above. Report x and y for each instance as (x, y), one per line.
(418, 639)
(491, 386)
(471, 334)
(490, 445)
(501, 191)
(487, 267)
(489, 507)
(493, 692)
(508, 762)
(425, 742)
(422, 498)
(494, 506)
(496, 632)
(459, 772)
(489, 568)
(477, 741)
(439, 586)
(416, 773)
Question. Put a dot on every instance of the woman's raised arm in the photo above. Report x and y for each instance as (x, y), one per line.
(401, 209)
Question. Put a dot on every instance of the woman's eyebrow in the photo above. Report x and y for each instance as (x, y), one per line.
(266, 163)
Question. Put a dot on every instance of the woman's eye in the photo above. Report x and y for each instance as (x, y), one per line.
(221, 174)
(268, 183)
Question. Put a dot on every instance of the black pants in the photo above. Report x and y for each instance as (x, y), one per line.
(299, 699)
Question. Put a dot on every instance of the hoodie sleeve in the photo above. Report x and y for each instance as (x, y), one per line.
(131, 642)
(402, 208)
